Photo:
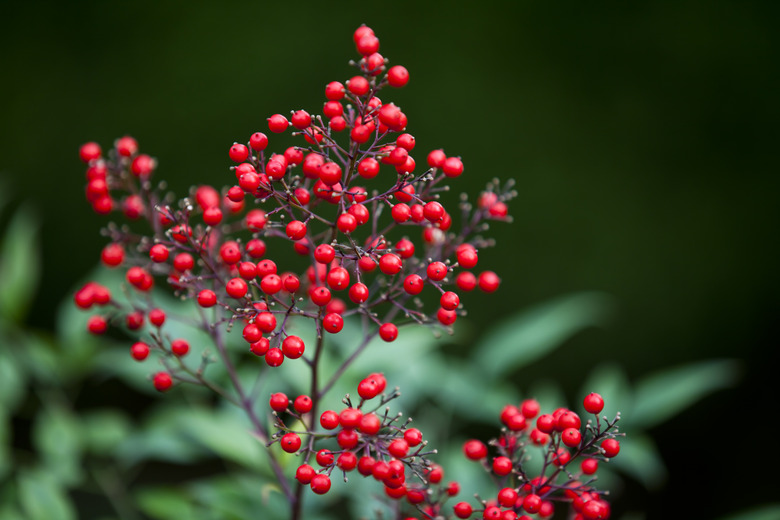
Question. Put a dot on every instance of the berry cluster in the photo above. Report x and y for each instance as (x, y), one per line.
(375, 238)
(562, 439)
(374, 443)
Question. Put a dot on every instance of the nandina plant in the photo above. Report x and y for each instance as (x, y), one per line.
(345, 225)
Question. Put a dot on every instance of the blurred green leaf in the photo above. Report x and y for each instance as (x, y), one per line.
(19, 264)
(12, 383)
(165, 503)
(42, 498)
(533, 333)
(58, 438)
(5, 453)
(104, 430)
(660, 396)
(764, 512)
(640, 459)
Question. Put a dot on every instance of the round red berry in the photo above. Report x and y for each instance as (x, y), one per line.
(611, 447)
(290, 442)
(333, 323)
(502, 466)
(589, 466)
(475, 450)
(139, 351)
(325, 458)
(462, 510)
(397, 76)
(593, 403)
(279, 402)
(162, 381)
(358, 293)
(180, 347)
(302, 404)
(320, 484)
(277, 123)
(488, 281)
(304, 473)
(358, 85)
(437, 271)
(90, 151)
(293, 347)
(329, 420)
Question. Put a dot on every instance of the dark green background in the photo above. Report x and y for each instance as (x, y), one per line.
(643, 138)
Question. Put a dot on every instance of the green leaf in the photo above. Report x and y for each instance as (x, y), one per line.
(165, 503)
(660, 396)
(764, 512)
(533, 333)
(12, 384)
(104, 430)
(640, 459)
(5, 436)
(58, 438)
(42, 498)
(19, 265)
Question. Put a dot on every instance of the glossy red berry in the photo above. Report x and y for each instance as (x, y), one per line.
(593, 403)
(162, 381)
(399, 448)
(304, 473)
(279, 402)
(290, 442)
(467, 256)
(571, 437)
(611, 447)
(302, 404)
(475, 450)
(238, 153)
(488, 281)
(358, 85)
(507, 497)
(113, 255)
(126, 146)
(502, 466)
(350, 417)
(207, 298)
(545, 423)
(325, 458)
(97, 325)
(346, 222)
(532, 503)
(90, 152)
(277, 123)
(180, 347)
(466, 281)
(157, 317)
(437, 271)
(236, 288)
(449, 300)
(334, 91)
(158, 253)
(462, 510)
(329, 420)
(320, 484)
(390, 264)
(589, 466)
(358, 293)
(293, 347)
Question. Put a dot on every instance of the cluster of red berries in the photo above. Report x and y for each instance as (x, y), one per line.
(325, 200)
(373, 443)
(563, 440)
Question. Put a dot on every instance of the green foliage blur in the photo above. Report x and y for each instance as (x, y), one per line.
(643, 139)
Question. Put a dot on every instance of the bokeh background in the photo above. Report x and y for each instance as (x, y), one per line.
(642, 136)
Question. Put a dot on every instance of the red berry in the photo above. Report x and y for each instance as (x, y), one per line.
(266, 322)
(611, 447)
(358, 293)
(475, 450)
(358, 85)
(113, 255)
(413, 284)
(466, 281)
(279, 402)
(180, 347)
(467, 256)
(532, 503)
(300, 119)
(370, 424)
(589, 466)
(293, 347)
(437, 271)
(492, 513)
(390, 264)
(334, 91)
(347, 461)
(238, 153)
(333, 323)
(90, 151)
(593, 403)
(388, 332)
(183, 262)
(290, 442)
(158, 253)
(97, 324)
(449, 300)
(274, 357)
(258, 141)
(346, 223)
(368, 168)
(236, 288)
(347, 439)
(302, 404)
(350, 417)
(157, 317)
(126, 146)
(338, 278)
(397, 76)
(530, 408)
(277, 123)
(325, 458)
(488, 281)
(162, 381)
(304, 473)
(507, 497)
(571, 437)
(399, 448)
(401, 212)
(255, 220)
(260, 347)
(329, 420)
(462, 510)
(546, 423)
(320, 484)
(207, 298)
(502, 466)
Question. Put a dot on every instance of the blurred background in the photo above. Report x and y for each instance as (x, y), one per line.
(642, 136)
